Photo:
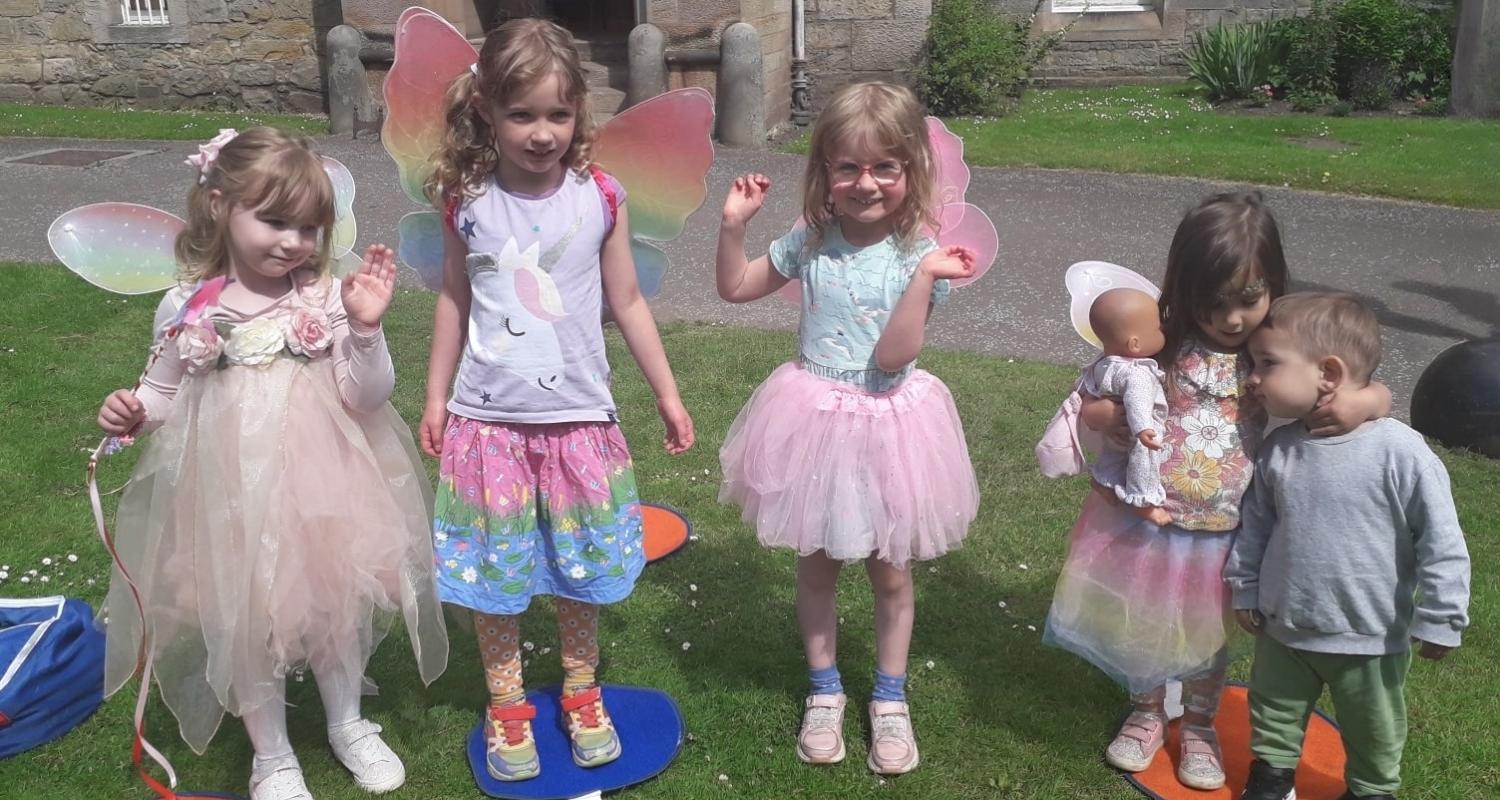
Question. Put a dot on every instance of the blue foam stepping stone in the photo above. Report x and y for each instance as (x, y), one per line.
(650, 728)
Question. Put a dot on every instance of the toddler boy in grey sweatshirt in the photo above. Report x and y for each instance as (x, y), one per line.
(1349, 549)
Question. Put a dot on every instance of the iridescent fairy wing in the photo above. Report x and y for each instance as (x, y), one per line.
(1086, 280)
(660, 151)
(345, 231)
(120, 247)
(429, 54)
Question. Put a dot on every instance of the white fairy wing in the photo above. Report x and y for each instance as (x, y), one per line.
(120, 247)
(1086, 280)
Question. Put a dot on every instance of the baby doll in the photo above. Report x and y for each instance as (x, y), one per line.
(1129, 329)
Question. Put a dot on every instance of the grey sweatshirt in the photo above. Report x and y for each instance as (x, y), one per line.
(1351, 544)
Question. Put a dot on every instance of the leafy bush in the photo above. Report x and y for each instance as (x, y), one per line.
(976, 60)
(1232, 62)
(1310, 44)
(1414, 46)
(1372, 87)
(1309, 101)
(1340, 109)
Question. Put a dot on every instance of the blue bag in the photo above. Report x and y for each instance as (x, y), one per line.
(51, 670)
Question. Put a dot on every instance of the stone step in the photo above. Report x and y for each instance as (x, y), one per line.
(605, 102)
(606, 76)
(605, 50)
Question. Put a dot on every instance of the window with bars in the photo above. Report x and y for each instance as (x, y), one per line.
(143, 13)
(1101, 6)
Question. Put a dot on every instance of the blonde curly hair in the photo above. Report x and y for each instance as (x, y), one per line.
(275, 172)
(873, 116)
(514, 58)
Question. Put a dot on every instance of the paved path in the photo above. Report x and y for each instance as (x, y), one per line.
(1432, 273)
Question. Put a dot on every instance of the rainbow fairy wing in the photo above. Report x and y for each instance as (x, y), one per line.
(430, 53)
(1086, 280)
(660, 151)
(420, 246)
(120, 247)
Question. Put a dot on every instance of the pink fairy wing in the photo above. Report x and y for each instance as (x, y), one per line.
(1086, 280)
(120, 247)
(951, 174)
(966, 225)
(430, 53)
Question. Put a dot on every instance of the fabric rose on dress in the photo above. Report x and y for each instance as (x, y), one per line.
(308, 333)
(199, 346)
(256, 343)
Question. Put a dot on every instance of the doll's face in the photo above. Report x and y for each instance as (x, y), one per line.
(1127, 323)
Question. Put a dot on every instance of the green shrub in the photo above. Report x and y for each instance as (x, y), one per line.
(1372, 87)
(1232, 62)
(1432, 106)
(1309, 101)
(976, 60)
(1340, 109)
(1414, 46)
(1310, 43)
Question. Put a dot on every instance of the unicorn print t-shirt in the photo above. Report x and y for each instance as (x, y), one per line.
(535, 346)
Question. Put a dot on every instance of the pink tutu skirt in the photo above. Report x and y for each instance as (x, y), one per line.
(1144, 604)
(817, 464)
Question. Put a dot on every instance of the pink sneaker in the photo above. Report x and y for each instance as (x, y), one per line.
(893, 745)
(821, 740)
(1135, 746)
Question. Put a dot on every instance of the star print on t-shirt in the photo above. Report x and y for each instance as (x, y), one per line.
(468, 229)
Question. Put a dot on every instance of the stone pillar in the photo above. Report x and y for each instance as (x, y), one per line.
(741, 96)
(647, 64)
(1476, 60)
(350, 106)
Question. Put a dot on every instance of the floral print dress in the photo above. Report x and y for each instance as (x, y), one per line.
(1213, 427)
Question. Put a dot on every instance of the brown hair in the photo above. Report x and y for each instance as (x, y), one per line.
(515, 56)
(1323, 324)
(883, 116)
(267, 169)
(1225, 244)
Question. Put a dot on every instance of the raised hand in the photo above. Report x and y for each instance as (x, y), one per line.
(674, 415)
(367, 291)
(746, 197)
(952, 262)
(121, 413)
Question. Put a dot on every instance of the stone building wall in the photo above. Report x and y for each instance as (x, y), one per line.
(852, 40)
(261, 55)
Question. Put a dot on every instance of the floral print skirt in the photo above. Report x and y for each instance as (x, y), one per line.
(526, 510)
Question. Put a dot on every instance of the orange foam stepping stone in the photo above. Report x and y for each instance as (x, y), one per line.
(1320, 776)
(665, 530)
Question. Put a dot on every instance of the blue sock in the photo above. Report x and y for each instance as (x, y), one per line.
(826, 680)
(889, 687)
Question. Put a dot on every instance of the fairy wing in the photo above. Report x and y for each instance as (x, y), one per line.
(120, 247)
(429, 54)
(959, 222)
(345, 231)
(1086, 280)
(660, 151)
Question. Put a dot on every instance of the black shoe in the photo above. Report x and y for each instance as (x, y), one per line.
(1269, 783)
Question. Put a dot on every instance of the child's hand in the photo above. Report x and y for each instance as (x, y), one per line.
(1250, 619)
(679, 425)
(434, 423)
(121, 413)
(952, 262)
(367, 291)
(746, 197)
(1434, 652)
(1336, 414)
(1107, 415)
(1148, 438)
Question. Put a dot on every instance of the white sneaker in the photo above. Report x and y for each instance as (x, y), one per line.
(278, 778)
(358, 746)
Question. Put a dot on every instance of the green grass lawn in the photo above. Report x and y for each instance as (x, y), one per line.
(17, 119)
(998, 715)
(1171, 130)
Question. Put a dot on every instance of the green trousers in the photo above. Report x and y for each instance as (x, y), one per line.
(1367, 700)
